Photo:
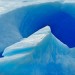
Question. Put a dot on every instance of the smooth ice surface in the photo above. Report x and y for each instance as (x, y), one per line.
(39, 54)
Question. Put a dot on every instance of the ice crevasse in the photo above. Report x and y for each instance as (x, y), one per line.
(39, 54)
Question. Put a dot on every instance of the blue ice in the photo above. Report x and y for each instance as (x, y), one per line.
(39, 54)
(29, 47)
(26, 18)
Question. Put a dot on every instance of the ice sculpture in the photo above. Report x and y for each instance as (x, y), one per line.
(39, 54)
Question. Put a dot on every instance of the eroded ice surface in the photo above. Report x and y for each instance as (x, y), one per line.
(39, 54)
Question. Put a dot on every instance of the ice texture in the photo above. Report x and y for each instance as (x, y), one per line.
(20, 20)
(45, 52)
(39, 54)
(27, 44)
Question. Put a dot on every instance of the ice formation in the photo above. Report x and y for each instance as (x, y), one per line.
(39, 54)
(26, 18)
(27, 52)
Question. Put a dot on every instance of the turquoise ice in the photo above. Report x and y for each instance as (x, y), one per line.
(19, 20)
(39, 54)
(28, 46)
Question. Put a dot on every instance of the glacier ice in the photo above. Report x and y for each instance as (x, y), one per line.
(23, 16)
(39, 54)
(27, 43)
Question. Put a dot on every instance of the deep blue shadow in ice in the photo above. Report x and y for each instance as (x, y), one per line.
(63, 27)
(61, 23)
(1, 54)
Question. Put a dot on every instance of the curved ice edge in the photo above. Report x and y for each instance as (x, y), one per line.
(23, 4)
(8, 9)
